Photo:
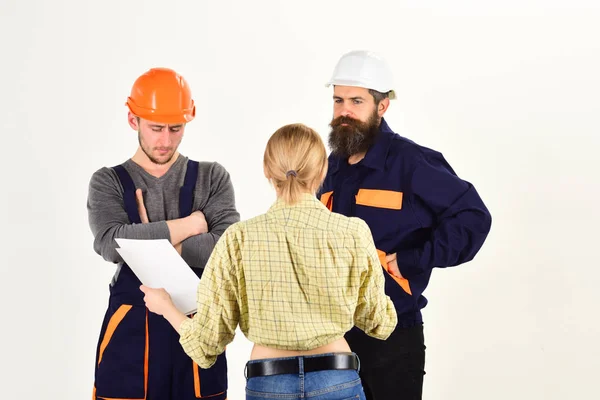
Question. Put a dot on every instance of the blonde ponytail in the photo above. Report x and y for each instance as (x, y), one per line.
(295, 161)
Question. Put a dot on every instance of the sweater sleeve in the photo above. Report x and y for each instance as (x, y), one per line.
(220, 213)
(108, 219)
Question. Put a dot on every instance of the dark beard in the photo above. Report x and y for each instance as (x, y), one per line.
(357, 137)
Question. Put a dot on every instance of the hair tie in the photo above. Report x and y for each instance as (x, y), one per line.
(291, 172)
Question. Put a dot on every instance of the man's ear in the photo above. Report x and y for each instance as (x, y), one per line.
(133, 121)
(382, 107)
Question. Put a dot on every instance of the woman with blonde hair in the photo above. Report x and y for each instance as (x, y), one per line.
(295, 279)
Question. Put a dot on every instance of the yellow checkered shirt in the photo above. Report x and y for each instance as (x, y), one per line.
(295, 278)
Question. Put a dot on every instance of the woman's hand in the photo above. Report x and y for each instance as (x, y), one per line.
(157, 300)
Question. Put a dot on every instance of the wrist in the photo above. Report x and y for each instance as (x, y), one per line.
(193, 227)
(179, 247)
(174, 317)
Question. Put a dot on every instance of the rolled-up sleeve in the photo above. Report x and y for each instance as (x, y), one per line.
(375, 313)
(205, 336)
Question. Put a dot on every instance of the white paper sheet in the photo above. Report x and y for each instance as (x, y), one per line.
(157, 264)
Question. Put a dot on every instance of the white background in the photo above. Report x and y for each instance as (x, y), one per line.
(507, 91)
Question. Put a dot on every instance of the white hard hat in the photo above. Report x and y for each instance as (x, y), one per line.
(364, 69)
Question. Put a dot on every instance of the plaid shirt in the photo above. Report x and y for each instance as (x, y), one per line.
(295, 278)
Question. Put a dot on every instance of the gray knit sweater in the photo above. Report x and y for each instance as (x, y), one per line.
(214, 196)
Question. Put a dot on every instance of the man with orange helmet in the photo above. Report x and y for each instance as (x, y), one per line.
(156, 194)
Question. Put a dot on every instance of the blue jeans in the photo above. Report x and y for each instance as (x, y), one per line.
(319, 385)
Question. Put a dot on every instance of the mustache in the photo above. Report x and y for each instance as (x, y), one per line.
(344, 120)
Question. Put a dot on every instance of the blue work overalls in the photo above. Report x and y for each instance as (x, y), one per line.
(138, 354)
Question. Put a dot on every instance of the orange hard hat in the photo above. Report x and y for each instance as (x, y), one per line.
(162, 95)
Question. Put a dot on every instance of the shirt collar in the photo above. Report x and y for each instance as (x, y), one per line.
(306, 200)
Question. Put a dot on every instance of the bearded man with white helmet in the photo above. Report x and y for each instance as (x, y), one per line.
(421, 215)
